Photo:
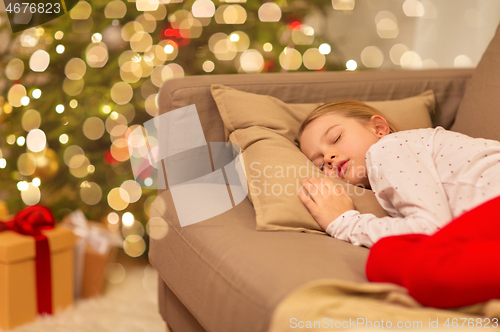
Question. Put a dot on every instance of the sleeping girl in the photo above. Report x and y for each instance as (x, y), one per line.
(423, 178)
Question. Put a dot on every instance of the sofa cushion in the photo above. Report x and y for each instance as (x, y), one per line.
(478, 114)
(265, 128)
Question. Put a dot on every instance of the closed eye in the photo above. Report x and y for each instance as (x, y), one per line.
(337, 139)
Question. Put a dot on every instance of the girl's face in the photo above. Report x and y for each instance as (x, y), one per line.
(338, 145)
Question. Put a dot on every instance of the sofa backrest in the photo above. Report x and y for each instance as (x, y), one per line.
(479, 112)
(312, 87)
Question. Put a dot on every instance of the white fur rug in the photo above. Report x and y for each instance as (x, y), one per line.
(130, 305)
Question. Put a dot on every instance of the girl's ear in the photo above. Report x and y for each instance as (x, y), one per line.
(380, 125)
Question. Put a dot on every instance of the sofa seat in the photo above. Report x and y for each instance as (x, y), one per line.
(231, 277)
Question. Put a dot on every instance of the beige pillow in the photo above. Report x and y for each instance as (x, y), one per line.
(265, 128)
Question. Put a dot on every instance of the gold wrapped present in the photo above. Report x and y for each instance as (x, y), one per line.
(36, 267)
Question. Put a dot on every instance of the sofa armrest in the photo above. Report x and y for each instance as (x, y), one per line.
(312, 87)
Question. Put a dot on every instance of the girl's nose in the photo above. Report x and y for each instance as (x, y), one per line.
(331, 160)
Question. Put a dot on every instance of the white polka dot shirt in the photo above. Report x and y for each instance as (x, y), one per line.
(423, 178)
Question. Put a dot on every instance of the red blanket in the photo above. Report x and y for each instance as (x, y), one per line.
(457, 266)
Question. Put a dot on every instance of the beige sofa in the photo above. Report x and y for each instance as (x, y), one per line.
(221, 275)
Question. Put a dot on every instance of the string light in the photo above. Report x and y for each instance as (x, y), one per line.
(37, 93)
(63, 138)
(351, 65)
(20, 141)
(60, 108)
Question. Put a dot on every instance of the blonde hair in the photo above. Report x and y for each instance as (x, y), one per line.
(346, 108)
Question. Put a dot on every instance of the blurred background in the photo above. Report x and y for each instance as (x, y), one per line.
(72, 90)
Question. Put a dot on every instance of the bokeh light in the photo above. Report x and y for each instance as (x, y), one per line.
(252, 61)
(21, 140)
(15, 94)
(93, 128)
(343, 4)
(314, 59)
(36, 140)
(25, 101)
(172, 70)
(130, 29)
(37, 93)
(134, 245)
(60, 108)
(96, 55)
(113, 218)
(413, 8)
(397, 52)
(141, 41)
(81, 11)
(121, 93)
(31, 120)
(147, 5)
(115, 9)
(269, 12)
(26, 164)
(75, 69)
(128, 219)
(115, 200)
(14, 69)
(325, 48)
(208, 66)
(133, 190)
(96, 37)
(372, 57)
(411, 60)
(70, 152)
(203, 8)
(222, 47)
(230, 14)
(63, 138)
(147, 21)
(31, 195)
(387, 24)
(39, 61)
(30, 37)
(351, 65)
(304, 35)
(90, 193)
(290, 59)
(463, 61)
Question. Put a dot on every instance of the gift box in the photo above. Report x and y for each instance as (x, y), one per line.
(94, 270)
(95, 248)
(36, 271)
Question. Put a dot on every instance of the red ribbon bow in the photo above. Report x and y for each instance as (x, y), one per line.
(31, 221)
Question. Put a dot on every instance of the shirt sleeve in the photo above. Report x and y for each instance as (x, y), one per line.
(406, 183)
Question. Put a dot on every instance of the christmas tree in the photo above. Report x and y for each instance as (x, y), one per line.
(74, 88)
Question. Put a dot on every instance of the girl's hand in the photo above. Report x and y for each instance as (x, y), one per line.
(327, 201)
